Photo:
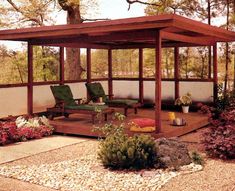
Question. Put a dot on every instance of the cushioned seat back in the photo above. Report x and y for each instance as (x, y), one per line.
(95, 91)
(63, 93)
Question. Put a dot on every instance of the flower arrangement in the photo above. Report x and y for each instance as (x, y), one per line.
(23, 129)
(184, 100)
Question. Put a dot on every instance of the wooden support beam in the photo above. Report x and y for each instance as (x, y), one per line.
(30, 80)
(88, 59)
(141, 82)
(215, 71)
(176, 53)
(188, 39)
(158, 81)
(61, 65)
(110, 73)
(209, 62)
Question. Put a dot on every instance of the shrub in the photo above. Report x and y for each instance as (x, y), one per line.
(220, 141)
(8, 132)
(135, 152)
(118, 151)
(197, 159)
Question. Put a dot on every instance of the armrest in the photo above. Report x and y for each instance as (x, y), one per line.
(60, 104)
(110, 96)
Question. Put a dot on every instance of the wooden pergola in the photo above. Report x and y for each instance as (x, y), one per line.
(132, 33)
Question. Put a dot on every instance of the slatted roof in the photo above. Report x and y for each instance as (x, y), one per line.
(139, 32)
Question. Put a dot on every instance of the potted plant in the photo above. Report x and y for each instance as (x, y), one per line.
(185, 101)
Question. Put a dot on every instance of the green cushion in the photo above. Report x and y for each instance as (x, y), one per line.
(95, 91)
(128, 102)
(87, 107)
(63, 93)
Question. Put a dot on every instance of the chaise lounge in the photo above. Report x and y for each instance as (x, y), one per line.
(66, 105)
(96, 91)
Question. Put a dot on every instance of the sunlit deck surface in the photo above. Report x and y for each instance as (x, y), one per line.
(78, 124)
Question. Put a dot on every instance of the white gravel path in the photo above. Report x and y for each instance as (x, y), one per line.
(86, 173)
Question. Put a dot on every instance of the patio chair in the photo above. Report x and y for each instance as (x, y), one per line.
(96, 91)
(66, 104)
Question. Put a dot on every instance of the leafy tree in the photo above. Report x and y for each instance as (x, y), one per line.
(125, 63)
(99, 60)
(46, 64)
(21, 13)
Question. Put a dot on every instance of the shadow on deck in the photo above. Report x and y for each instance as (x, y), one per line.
(78, 124)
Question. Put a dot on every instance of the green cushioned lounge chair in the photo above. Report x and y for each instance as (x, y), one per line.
(96, 91)
(66, 104)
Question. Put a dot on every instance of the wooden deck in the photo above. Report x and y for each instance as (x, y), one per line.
(79, 124)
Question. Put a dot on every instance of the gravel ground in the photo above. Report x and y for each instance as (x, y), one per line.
(80, 160)
(86, 173)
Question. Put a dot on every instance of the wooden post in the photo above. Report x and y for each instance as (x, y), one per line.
(215, 72)
(110, 73)
(88, 56)
(158, 82)
(176, 51)
(209, 62)
(141, 83)
(61, 65)
(88, 59)
(30, 80)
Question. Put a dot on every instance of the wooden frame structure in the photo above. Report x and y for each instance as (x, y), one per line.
(133, 33)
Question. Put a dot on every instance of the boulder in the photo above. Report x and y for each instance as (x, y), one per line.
(172, 153)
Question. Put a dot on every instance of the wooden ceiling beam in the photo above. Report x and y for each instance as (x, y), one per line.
(188, 39)
(126, 36)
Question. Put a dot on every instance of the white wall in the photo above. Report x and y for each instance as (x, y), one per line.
(126, 89)
(42, 98)
(78, 90)
(13, 101)
(168, 90)
(201, 91)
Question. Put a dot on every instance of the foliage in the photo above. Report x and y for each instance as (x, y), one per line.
(23, 129)
(219, 141)
(224, 100)
(184, 100)
(125, 63)
(197, 158)
(21, 13)
(118, 151)
(46, 64)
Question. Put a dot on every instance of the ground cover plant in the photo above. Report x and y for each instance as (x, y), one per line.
(22, 129)
(219, 141)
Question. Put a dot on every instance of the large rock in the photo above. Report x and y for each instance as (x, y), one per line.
(172, 153)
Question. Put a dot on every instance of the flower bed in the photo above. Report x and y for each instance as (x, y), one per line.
(22, 129)
(219, 141)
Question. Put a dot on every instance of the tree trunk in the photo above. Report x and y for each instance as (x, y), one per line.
(167, 64)
(73, 69)
(186, 63)
(203, 66)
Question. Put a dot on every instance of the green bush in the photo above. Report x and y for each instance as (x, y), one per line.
(197, 158)
(118, 151)
(135, 152)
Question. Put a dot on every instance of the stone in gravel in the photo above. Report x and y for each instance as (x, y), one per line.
(172, 153)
